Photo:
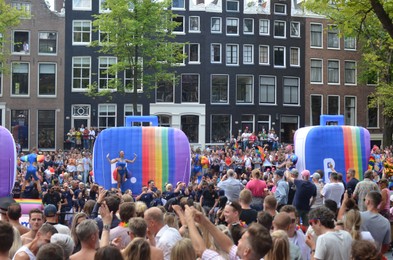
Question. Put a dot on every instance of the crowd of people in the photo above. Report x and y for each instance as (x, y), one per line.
(243, 201)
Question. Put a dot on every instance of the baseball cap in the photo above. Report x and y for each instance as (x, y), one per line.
(280, 173)
(5, 202)
(50, 210)
(305, 173)
(316, 176)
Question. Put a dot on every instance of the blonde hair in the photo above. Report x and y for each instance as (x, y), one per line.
(352, 221)
(140, 208)
(280, 249)
(183, 250)
(245, 196)
(171, 220)
(138, 249)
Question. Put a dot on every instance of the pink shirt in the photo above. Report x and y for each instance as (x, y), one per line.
(257, 188)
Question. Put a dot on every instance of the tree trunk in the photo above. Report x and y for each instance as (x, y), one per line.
(387, 131)
(383, 16)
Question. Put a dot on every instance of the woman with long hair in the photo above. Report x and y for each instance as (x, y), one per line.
(183, 250)
(138, 249)
(352, 221)
(280, 249)
(78, 218)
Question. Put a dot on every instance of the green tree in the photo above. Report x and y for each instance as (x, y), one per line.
(371, 21)
(9, 17)
(139, 34)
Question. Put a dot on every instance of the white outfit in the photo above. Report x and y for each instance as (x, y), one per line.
(166, 238)
(340, 241)
(27, 251)
(333, 191)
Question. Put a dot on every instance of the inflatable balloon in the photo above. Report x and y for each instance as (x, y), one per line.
(343, 147)
(163, 155)
(7, 162)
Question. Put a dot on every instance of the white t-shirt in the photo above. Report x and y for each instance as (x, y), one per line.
(333, 245)
(333, 191)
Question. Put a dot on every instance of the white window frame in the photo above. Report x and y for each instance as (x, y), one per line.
(276, 22)
(298, 91)
(39, 39)
(101, 9)
(252, 26)
(297, 27)
(298, 57)
(268, 55)
(355, 110)
(38, 79)
(99, 107)
(236, 54)
(183, 62)
(211, 89)
(82, 8)
(311, 108)
(199, 87)
(81, 32)
(108, 76)
(351, 39)
(179, 7)
(173, 93)
(250, 91)
(265, 26)
(178, 17)
(28, 80)
(229, 21)
(280, 13)
(329, 69)
(338, 104)
(25, 7)
(345, 73)
(232, 1)
(284, 57)
(245, 54)
(23, 51)
(129, 110)
(191, 28)
(311, 36)
(212, 53)
(274, 88)
(311, 71)
(198, 61)
(330, 33)
(219, 19)
(73, 89)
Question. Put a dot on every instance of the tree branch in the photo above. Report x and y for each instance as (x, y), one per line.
(383, 16)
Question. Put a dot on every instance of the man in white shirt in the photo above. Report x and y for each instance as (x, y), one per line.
(231, 186)
(160, 234)
(333, 190)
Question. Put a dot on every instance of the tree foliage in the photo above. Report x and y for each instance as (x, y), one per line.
(371, 21)
(9, 17)
(139, 34)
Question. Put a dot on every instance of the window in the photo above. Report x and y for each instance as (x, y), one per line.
(316, 35)
(316, 71)
(247, 122)
(280, 9)
(165, 91)
(333, 105)
(216, 25)
(81, 71)
(295, 29)
(47, 79)
(316, 109)
(129, 78)
(248, 54)
(267, 90)
(84, 5)
(20, 79)
(178, 4)
(220, 128)
(219, 86)
(215, 56)
(350, 72)
(190, 127)
(20, 127)
(372, 115)
(46, 138)
(291, 91)
(179, 50)
(104, 75)
(103, 8)
(264, 54)
(279, 29)
(295, 57)
(194, 24)
(103, 37)
(232, 6)
(244, 89)
(21, 44)
(194, 53)
(350, 110)
(263, 123)
(129, 110)
(180, 26)
(333, 40)
(164, 120)
(47, 43)
(349, 43)
(279, 56)
(248, 26)
(190, 88)
(81, 32)
(232, 26)
(106, 115)
(264, 27)
(333, 72)
(232, 54)
(24, 7)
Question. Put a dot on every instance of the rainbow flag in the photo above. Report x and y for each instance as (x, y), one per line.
(260, 152)
(236, 146)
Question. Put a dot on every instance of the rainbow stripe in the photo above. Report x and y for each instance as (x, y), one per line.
(29, 204)
(354, 150)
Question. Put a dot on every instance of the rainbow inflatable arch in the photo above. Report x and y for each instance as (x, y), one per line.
(344, 147)
(7, 162)
(163, 155)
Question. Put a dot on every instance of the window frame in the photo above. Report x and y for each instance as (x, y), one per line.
(297, 88)
(328, 104)
(320, 69)
(264, 26)
(83, 8)
(108, 76)
(298, 35)
(81, 79)
(180, 19)
(354, 70)
(246, 32)
(23, 50)
(28, 80)
(251, 62)
(268, 54)
(233, 57)
(212, 53)
(290, 57)
(345, 43)
(55, 79)
(355, 108)
(250, 90)
(280, 13)
(227, 90)
(190, 27)
(198, 61)
(268, 90)
(198, 86)
(284, 57)
(39, 43)
(180, 7)
(284, 36)
(212, 25)
(333, 36)
(319, 32)
(107, 105)
(329, 70)
(228, 25)
(234, 2)
(80, 43)
(165, 94)
(312, 110)
(218, 120)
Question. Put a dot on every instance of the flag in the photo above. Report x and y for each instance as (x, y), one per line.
(236, 146)
(260, 152)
